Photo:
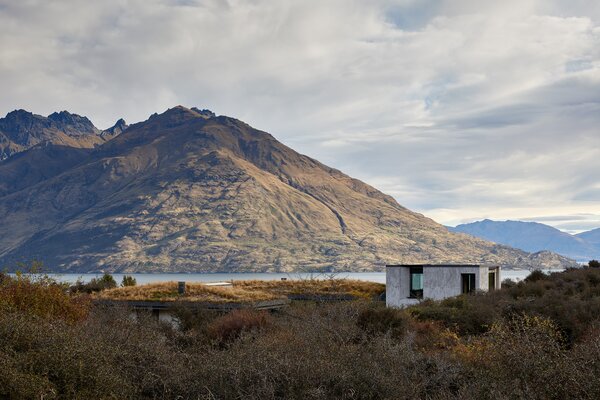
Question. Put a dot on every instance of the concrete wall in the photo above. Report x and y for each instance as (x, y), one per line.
(498, 271)
(439, 282)
(397, 287)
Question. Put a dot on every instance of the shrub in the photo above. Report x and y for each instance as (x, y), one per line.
(381, 320)
(535, 276)
(521, 357)
(467, 314)
(594, 264)
(128, 281)
(95, 285)
(41, 296)
(230, 326)
(508, 283)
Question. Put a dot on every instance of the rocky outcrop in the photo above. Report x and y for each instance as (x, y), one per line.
(115, 130)
(21, 130)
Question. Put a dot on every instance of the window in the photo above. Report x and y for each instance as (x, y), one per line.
(468, 283)
(416, 282)
(492, 280)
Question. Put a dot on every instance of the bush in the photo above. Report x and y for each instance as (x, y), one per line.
(466, 314)
(95, 285)
(128, 281)
(508, 283)
(41, 296)
(381, 320)
(535, 276)
(594, 264)
(231, 325)
(522, 357)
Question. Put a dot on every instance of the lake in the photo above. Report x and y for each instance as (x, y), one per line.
(515, 275)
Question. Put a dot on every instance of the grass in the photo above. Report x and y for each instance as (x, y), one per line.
(243, 291)
(359, 289)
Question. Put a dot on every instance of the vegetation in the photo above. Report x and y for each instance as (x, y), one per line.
(95, 285)
(538, 339)
(167, 291)
(128, 281)
(40, 296)
(571, 299)
(246, 291)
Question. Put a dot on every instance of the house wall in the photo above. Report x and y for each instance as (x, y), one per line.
(441, 282)
(397, 287)
(498, 278)
(484, 278)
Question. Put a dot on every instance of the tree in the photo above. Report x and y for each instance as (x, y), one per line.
(128, 281)
(594, 264)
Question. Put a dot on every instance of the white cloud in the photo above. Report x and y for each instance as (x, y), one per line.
(461, 109)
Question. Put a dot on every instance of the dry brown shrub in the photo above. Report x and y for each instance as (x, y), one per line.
(231, 325)
(43, 297)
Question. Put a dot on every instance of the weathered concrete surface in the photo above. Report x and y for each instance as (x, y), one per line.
(397, 287)
(439, 282)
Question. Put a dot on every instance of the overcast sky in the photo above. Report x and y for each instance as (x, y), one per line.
(460, 109)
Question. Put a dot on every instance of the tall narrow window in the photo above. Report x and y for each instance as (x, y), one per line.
(416, 282)
(468, 283)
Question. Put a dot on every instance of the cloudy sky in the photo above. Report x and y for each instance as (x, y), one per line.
(461, 109)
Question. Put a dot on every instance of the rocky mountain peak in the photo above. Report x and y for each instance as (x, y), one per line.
(20, 121)
(116, 129)
(20, 130)
(73, 124)
(204, 113)
(18, 114)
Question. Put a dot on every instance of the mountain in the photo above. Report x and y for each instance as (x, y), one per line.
(532, 237)
(188, 191)
(592, 237)
(114, 130)
(21, 130)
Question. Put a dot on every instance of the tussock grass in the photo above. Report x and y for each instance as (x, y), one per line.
(243, 291)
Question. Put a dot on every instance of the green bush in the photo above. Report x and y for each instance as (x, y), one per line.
(128, 281)
(535, 276)
(95, 284)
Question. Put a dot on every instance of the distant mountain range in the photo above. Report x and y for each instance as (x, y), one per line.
(189, 191)
(533, 236)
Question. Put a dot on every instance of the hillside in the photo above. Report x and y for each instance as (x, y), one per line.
(190, 191)
(533, 237)
(592, 237)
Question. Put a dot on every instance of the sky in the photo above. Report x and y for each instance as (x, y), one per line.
(461, 109)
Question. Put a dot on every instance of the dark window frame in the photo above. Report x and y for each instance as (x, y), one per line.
(467, 282)
(415, 293)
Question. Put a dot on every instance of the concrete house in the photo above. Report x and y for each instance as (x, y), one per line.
(408, 284)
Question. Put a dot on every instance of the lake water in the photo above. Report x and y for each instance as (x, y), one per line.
(515, 275)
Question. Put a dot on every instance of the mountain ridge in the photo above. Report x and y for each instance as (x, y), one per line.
(188, 191)
(21, 130)
(533, 237)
